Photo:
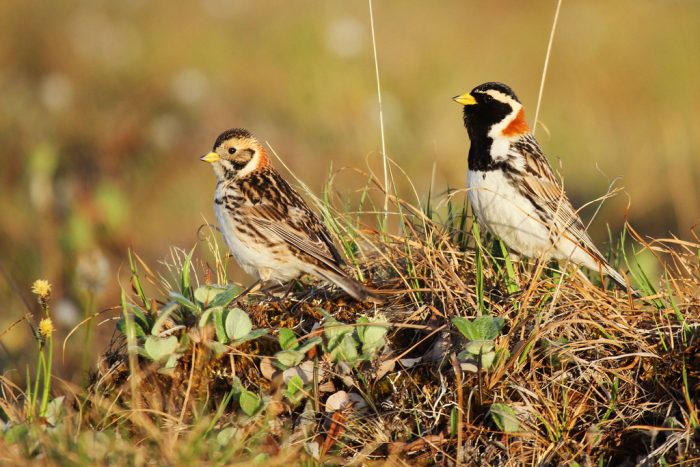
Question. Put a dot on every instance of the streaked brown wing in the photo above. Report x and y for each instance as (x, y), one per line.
(542, 187)
(294, 223)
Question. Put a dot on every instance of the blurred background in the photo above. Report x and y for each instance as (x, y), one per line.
(106, 106)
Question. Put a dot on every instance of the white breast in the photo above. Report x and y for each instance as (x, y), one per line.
(506, 213)
(256, 258)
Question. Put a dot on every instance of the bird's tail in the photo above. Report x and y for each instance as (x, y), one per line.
(618, 279)
(352, 287)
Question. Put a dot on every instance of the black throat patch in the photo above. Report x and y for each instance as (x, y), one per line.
(479, 119)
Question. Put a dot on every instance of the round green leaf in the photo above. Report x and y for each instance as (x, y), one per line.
(309, 344)
(232, 291)
(158, 348)
(504, 418)
(484, 327)
(238, 324)
(487, 359)
(477, 347)
(250, 403)
(289, 358)
(287, 339)
(224, 436)
(346, 350)
(487, 327)
(335, 331)
(206, 293)
(294, 385)
(220, 315)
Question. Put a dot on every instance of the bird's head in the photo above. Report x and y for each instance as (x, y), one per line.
(493, 110)
(236, 153)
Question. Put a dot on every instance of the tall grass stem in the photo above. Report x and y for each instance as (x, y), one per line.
(546, 64)
(385, 159)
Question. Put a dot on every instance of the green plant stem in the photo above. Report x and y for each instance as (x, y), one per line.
(46, 377)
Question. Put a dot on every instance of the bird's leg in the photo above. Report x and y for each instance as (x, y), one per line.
(270, 289)
(302, 300)
(248, 289)
(292, 283)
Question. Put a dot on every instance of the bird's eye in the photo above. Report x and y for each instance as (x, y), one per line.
(232, 150)
(487, 98)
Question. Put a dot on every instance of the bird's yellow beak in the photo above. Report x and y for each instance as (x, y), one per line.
(465, 99)
(211, 157)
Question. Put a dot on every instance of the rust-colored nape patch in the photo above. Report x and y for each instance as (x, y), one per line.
(518, 126)
(264, 159)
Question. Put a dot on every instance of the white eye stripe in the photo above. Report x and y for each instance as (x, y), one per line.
(498, 95)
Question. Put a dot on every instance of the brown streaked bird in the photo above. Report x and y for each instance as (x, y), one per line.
(513, 189)
(268, 227)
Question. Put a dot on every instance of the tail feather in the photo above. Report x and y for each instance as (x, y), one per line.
(352, 287)
(594, 260)
(619, 279)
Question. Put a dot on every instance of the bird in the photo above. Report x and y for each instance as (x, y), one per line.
(270, 230)
(512, 187)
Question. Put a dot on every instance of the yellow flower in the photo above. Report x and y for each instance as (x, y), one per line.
(42, 288)
(46, 327)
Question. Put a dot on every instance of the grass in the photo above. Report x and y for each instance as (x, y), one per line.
(475, 358)
(572, 374)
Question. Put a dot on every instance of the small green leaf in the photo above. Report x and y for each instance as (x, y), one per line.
(140, 318)
(504, 418)
(463, 325)
(487, 327)
(477, 347)
(252, 335)
(219, 319)
(372, 337)
(309, 344)
(158, 348)
(206, 293)
(185, 302)
(138, 331)
(224, 436)
(294, 385)
(204, 318)
(54, 410)
(224, 298)
(289, 358)
(169, 367)
(465, 356)
(335, 331)
(238, 324)
(487, 359)
(287, 339)
(250, 403)
(346, 350)
(484, 327)
(185, 279)
(361, 321)
(217, 347)
(374, 332)
(236, 387)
